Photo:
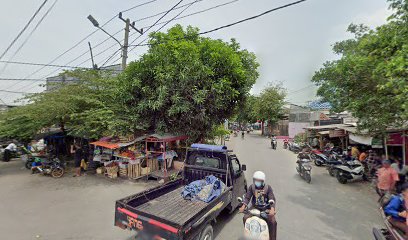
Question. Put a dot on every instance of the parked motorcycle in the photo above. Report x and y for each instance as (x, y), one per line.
(52, 167)
(318, 158)
(256, 226)
(304, 168)
(296, 148)
(350, 171)
(333, 161)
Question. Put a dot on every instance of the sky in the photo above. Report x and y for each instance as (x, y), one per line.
(291, 44)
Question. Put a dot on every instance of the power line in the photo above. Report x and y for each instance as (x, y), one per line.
(7, 91)
(89, 35)
(253, 17)
(228, 25)
(198, 12)
(40, 64)
(158, 14)
(23, 30)
(30, 34)
(22, 79)
(145, 31)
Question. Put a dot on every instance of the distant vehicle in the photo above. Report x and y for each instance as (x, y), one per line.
(162, 213)
(304, 168)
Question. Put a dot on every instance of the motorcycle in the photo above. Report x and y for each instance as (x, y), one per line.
(304, 169)
(333, 161)
(52, 167)
(256, 226)
(351, 171)
(285, 145)
(318, 158)
(274, 144)
(389, 233)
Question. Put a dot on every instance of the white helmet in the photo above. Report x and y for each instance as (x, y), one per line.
(258, 175)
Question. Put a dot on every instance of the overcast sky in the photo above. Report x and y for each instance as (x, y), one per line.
(291, 44)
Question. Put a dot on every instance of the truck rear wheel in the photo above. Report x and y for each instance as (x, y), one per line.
(207, 233)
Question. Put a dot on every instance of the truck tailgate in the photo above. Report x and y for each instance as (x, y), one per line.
(172, 207)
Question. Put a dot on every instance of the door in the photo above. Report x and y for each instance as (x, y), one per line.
(239, 181)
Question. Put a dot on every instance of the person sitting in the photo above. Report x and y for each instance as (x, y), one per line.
(259, 194)
(396, 210)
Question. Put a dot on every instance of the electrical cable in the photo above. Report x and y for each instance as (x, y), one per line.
(87, 36)
(228, 25)
(24, 79)
(39, 64)
(23, 30)
(145, 31)
(7, 91)
(29, 35)
(198, 12)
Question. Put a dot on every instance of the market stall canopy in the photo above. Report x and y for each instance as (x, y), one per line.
(165, 138)
(104, 144)
(324, 132)
(362, 139)
(332, 126)
(139, 139)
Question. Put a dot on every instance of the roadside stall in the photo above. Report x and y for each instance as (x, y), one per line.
(160, 151)
(396, 145)
(119, 158)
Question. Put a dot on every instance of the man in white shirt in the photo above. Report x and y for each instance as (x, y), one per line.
(7, 152)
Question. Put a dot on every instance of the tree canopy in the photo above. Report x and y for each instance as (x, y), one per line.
(185, 84)
(269, 104)
(370, 78)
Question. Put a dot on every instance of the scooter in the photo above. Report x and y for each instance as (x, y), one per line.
(285, 145)
(274, 144)
(256, 226)
(351, 171)
(318, 158)
(304, 169)
(333, 161)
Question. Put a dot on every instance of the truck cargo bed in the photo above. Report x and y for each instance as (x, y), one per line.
(172, 207)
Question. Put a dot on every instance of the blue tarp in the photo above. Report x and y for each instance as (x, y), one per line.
(209, 147)
(204, 190)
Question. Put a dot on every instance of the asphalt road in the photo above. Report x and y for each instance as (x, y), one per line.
(324, 209)
(35, 207)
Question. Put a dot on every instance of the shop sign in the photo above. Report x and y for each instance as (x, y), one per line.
(395, 139)
(377, 143)
(336, 133)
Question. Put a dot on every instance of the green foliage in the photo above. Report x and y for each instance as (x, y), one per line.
(269, 105)
(370, 78)
(245, 112)
(300, 138)
(184, 84)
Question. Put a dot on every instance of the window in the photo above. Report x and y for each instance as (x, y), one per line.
(236, 167)
(206, 161)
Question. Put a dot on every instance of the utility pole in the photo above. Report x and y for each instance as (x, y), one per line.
(126, 40)
(125, 44)
(92, 58)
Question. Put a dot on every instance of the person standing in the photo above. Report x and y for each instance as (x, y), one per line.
(78, 157)
(8, 150)
(402, 171)
(387, 178)
(355, 152)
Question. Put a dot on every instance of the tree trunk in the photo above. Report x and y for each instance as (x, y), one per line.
(262, 128)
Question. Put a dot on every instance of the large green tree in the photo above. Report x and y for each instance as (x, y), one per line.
(370, 78)
(187, 83)
(269, 104)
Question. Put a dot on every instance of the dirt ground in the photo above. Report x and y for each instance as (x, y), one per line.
(42, 208)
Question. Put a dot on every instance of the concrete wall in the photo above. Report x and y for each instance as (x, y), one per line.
(297, 127)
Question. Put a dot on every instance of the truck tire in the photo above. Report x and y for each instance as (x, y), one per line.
(207, 233)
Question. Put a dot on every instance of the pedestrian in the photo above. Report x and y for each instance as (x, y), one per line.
(402, 171)
(7, 152)
(396, 210)
(355, 152)
(363, 156)
(387, 178)
(78, 157)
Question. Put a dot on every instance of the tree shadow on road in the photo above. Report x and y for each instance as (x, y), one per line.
(223, 219)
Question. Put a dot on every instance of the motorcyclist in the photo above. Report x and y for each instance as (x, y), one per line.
(260, 194)
(273, 141)
(243, 134)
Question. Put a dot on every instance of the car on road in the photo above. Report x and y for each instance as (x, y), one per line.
(162, 213)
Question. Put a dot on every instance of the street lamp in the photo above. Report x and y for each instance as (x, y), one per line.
(96, 24)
